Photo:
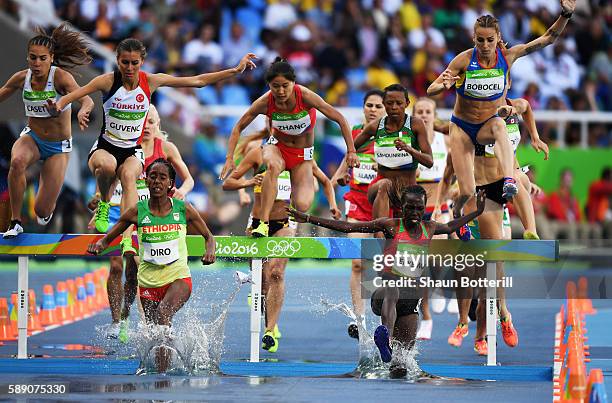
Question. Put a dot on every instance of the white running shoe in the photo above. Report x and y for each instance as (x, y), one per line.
(452, 306)
(112, 332)
(424, 332)
(14, 230)
(44, 221)
(437, 301)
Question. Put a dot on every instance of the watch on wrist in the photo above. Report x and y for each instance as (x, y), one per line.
(566, 14)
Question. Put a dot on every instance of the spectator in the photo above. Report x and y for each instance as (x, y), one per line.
(410, 15)
(300, 54)
(208, 153)
(368, 40)
(561, 72)
(203, 53)
(470, 14)
(236, 46)
(280, 15)
(514, 23)
(592, 38)
(428, 33)
(380, 77)
(598, 203)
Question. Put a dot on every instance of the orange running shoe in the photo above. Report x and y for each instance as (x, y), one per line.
(481, 346)
(509, 332)
(456, 337)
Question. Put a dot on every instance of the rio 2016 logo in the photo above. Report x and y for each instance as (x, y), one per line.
(283, 248)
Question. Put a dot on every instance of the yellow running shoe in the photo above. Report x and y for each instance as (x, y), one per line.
(269, 342)
(277, 332)
(127, 248)
(101, 217)
(481, 346)
(261, 230)
(530, 235)
(456, 337)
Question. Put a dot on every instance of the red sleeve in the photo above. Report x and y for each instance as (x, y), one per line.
(555, 209)
(600, 188)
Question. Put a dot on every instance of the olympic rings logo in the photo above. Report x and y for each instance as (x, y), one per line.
(283, 248)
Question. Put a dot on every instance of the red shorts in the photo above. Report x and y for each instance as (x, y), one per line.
(294, 156)
(158, 293)
(357, 206)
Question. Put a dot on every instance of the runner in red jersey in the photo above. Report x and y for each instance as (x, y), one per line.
(398, 305)
(290, 109)
(357, 206)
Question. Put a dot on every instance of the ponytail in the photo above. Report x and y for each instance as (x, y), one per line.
(68, 47)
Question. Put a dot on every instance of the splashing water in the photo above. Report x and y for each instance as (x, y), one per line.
(195, 347)
(370, 365)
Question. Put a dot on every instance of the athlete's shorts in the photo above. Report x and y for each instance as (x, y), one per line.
(357, 206)
(120, 154)
(157, 294)
(404, 307)
(471, 129)
(273, 226)
(494, 191)
(48, 149)
(291, 155)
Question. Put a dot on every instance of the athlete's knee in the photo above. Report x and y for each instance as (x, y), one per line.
(19, 163)
(105, 169)
(498, 127)
(274, 166)
(302, 203)
(129, 175)
(44, 209)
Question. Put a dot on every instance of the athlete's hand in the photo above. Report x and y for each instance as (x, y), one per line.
(246, 61)
(53, 108)
(535, 189)
(344, 179)
(539, 145)
(209, 256)
(256, 180)
(297, 215)
(505, 111)
(83, 118)
(92, 204)
(568, 5)
(352, 160)
(97, 247)
(228, 167)
(244, 199)
(448, 80)
(402, 146)
(335, 212)
(481, 197)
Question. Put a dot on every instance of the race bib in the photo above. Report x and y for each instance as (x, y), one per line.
(161, 252)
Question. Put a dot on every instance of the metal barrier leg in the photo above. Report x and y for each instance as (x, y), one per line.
(22, 308)
(491, 315)
(256, 268)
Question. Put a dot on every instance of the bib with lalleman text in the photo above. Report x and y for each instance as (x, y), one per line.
(162, 240)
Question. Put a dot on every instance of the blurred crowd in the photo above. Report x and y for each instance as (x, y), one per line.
(342, 48)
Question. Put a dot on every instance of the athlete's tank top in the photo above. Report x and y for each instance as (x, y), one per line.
(514, 133)
(283, 184)
(162, 245)
(402, 242)
(439, 153)
(141, 185)
(482, 84)
(299, 121)
(125, 112)
(364, 175)
(35, 102)
(385, 152)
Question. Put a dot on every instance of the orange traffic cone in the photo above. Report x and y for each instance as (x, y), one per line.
(34, 324)
(576, 386)
(6, 332)
(584, 302)
(97, 277)
(48, 315)
(72, 308)
(61, 303)
(596, 390)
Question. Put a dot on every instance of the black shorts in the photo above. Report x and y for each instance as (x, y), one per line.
(404, 307)
(120, 154)
(494, 191)
(273, 226)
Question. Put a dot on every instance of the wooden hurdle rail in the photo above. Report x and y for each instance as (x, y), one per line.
(26, 245)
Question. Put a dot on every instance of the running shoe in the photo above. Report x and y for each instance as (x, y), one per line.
(127, 248)
(124, 327)
(481, 347)
(112, 332)
(530, 235)
(14, 229)
(269, 342)
(437, 302)
(277, 333)
(509, 332)
(424, 332)
(464, 233)
(101, 217)
(509, 190)
(261, 230)
(44, 221)
(381, 338)
(456, 337)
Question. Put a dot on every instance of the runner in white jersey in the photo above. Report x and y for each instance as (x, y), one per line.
(45, 138)
(127, 96)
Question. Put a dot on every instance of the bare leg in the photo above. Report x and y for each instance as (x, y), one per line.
(128, 172)
(114, 287)
(463, 162)
(302, 186)
(405, 330)
(103, 166)
(269, 188)
(24, 153)
(495, 131)
(523, 204)
(131, 285)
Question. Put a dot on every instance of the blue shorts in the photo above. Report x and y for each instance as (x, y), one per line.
(471, 129)
(48, 148)
(113, 216)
